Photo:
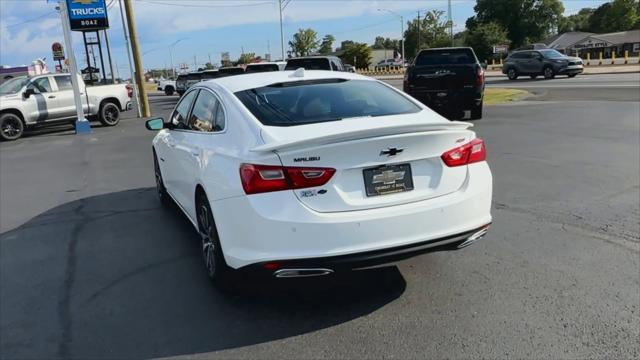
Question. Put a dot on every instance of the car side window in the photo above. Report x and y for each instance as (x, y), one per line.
(333, 65)
(40, 85)
(203, 115)
(179, 117)
(63, 82)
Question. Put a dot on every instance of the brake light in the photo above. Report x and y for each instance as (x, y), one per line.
(129, 90)
(480, 76)
(469, 153)
(266, 178)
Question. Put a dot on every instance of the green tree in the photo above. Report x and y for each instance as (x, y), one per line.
(618, 15)
(246, 58)
(378, 43)
(304, 42)
(524, 20)
(576, 22)
(361, 52)
(344, 44)
(326, 45)
(433, 32)
(209, 66)
(483, 37)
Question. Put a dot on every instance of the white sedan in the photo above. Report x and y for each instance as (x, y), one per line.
(304, 173)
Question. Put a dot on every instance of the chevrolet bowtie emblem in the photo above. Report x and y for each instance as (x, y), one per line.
(388, 177)
(391, 152)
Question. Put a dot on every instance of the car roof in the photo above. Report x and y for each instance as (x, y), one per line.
(268, 63)
(256, 80)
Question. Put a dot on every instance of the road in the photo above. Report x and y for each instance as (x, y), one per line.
(92, 266)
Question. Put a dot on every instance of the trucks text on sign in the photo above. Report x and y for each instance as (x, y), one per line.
(87, 15)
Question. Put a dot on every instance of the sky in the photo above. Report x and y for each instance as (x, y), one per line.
(203, 29)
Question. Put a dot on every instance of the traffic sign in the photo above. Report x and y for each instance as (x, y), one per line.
(87, 15)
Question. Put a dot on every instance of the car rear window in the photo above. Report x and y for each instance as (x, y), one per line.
(210, 74)
(314, 101)
(446, 57)
(230, 71)
(308, 64)
(261, 68)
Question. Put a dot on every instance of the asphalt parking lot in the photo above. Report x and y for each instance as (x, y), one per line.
(91, 266)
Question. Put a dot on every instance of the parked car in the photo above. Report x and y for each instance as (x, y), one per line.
(387, 64)
(193, 78)
(313, 172)
(181, 84)
(229, 71)
(349, 68)
(265, 66)
(448, 80)
(41, 100)
(545, 62)
(168, 86)
(332, 63)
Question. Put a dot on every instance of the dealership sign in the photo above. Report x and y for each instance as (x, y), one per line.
(87, 15)
(58, 51)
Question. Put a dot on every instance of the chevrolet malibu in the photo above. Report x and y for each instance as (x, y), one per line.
(306, 173)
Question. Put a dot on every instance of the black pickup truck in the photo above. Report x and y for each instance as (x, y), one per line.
(448, 80)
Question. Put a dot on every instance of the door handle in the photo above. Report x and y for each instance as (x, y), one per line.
(195, 153)
(51, 96)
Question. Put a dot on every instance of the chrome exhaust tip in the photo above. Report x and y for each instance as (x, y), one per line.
(290, 273)
(474, 237)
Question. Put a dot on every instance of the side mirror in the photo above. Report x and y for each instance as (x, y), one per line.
(28, 92)
(156, 124)
(484, 65)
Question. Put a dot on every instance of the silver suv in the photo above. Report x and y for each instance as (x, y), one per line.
(546, 62)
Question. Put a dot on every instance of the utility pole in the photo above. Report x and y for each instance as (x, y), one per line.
(106, 39)
(418, 44)
(450, 23)
(281, 32)
(82, 124)
(133, 77)
(195, 63)
(137, 59)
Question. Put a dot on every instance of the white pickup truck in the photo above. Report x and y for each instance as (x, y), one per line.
(48, 99)
(168, 86)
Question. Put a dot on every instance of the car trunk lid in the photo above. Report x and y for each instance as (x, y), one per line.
(379, 162)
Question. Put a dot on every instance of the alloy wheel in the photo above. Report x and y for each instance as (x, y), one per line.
(208, 246)
(11, 127)
(111, 114)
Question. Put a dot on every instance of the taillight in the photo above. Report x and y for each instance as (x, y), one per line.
(480, 76)
(129, 90)
(469, 153)
(266, 178)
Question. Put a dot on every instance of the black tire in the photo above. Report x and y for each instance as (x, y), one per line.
(476, 111)
(512, 74)
(169, 90)
(11, 127)
(548, 72)
(212, 255)
(572, 75)
(109, 114)
(533, 77)
(161, 190)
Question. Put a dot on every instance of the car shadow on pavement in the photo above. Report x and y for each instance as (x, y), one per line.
(119, 276)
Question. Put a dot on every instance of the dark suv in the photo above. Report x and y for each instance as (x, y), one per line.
(448, 80)
(331, 63)
(546, 62)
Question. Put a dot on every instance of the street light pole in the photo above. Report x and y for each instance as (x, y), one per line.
(401, 29)
(173, 70)
(281, 32)
(82, 124)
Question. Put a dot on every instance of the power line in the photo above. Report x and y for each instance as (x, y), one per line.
(181, 4)
(364, 27)
(31, 20)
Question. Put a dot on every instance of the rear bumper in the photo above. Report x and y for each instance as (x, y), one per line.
(368, 259)
(448, 98)
(278, 227)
